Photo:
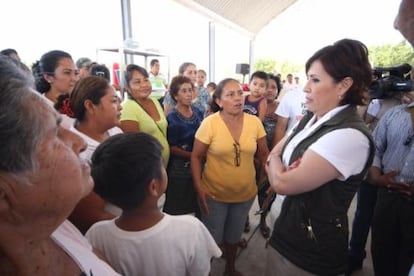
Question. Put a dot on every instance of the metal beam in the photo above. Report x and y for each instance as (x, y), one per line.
(126, 27)
(251, 57)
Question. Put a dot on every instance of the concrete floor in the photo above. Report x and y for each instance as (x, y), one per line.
(251, 260)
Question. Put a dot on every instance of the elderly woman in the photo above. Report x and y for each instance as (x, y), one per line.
(42, 178)
(183, 122)
(228, 141)
(201, 96)
(142, 113)
(319, 166)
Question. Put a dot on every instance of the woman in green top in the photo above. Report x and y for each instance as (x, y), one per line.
(142, 113)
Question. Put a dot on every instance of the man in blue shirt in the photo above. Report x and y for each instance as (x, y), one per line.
(392, 244)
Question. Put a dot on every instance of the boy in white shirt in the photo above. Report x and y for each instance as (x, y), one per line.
(128, 172)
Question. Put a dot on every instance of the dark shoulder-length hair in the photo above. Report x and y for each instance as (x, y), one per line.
(346, 58)
(214, 107)
(130, 70)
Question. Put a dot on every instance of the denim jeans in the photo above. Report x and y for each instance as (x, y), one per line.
(366, 199)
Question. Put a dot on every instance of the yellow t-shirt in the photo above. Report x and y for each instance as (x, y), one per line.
(131, 111)
(221, 177)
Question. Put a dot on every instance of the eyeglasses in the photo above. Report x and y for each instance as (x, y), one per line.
(237, 154)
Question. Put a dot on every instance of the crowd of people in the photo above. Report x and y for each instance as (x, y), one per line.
(82, 171)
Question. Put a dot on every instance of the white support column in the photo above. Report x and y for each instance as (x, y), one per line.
(251, 57)
(211, 51)
(126, 27)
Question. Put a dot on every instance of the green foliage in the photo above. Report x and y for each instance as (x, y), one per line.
(391, 55)
(266, 65)
(272, 66)
(380, 56)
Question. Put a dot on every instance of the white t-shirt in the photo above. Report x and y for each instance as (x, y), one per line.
(292, 106)
(68, 237)
(347, 149)
(176, 245)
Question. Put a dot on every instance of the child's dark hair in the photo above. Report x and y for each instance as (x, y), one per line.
(124, 165)
(260, 75)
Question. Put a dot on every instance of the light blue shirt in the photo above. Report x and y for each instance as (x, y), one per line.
(394, 141)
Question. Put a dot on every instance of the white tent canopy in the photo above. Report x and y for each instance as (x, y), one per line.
(245, 16)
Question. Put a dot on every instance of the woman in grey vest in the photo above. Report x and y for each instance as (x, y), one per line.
(317, 167)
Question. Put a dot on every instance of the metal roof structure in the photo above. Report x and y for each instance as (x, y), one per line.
(246, 16)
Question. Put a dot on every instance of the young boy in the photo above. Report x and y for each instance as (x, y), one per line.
(255, 103)
(128, 172)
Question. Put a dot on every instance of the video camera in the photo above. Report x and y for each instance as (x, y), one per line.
(390, 80)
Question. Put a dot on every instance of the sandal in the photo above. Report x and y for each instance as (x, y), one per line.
(265, 230)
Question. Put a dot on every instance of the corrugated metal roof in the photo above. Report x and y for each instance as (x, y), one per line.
(249, 16)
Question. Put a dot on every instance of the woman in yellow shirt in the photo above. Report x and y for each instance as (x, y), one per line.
(228, 140)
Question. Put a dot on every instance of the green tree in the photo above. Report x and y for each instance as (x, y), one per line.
(386, 55)
(283, 67)
(266, 65)
(390, 55)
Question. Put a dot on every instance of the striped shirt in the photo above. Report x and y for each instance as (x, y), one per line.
(394, 140)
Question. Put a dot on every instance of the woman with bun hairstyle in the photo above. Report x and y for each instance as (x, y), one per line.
(97, 110)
